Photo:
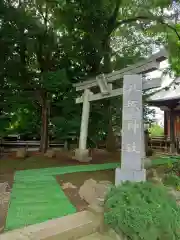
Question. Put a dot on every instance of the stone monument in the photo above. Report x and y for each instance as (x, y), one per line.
(132, 150)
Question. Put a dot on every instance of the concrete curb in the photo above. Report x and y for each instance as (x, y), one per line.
(67, 228)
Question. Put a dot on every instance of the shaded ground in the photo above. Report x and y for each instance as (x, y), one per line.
(6, 182)
(77, 179)
(9, 163)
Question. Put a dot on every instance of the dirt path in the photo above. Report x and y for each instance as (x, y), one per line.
(6, 182)
(71, 182)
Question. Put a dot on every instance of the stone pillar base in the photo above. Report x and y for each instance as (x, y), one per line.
(122, 175)
(82, 155)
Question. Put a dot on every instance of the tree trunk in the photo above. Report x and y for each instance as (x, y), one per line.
(44, 122)
(111, 139)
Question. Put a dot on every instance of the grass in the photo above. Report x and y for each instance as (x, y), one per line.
(164, 161)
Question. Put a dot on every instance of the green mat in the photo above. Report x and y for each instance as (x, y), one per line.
(37, 197)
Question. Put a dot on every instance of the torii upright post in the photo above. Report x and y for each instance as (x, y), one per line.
(82, 153)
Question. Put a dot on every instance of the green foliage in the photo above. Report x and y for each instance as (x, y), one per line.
(172, 180)
(142, 211)
(149, 114)
(26, 122)
(156, 130)
(48, 45)
(174, 168)
(51, 80)
(4, 125)
(174, 49)
(65, 114)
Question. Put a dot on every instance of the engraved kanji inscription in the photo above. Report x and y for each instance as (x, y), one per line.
(131, 148)
(133, 125)
(130, 88)
(133, 104)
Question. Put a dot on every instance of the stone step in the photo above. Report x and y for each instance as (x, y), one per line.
(72, 226)
(97, 236)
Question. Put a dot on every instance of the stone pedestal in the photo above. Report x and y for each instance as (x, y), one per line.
(122, 175)
(82, 155)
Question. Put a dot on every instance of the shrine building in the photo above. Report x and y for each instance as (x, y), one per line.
(168, 100)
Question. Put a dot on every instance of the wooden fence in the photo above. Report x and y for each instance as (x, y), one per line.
(156, 143)
(8, 146)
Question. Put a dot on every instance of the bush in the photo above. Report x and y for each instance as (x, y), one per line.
(174, 168)
(172, 180)
(142, 211)
(156, 130)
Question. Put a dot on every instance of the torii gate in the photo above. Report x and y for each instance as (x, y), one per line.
(133, 78)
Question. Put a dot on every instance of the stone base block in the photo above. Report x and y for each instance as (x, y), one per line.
(50, 153)
(122, 175)
(82, 155)
(22, 153)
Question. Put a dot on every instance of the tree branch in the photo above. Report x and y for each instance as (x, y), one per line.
(130, 20)
(173, 29)
(112, 19)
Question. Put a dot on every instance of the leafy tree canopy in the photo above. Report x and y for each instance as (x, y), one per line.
(46, 46)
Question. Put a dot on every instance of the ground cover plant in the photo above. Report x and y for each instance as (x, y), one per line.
(143, 211)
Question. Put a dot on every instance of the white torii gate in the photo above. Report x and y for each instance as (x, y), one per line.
(107, 90)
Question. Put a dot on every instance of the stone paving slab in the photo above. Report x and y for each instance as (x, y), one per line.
(96, 236)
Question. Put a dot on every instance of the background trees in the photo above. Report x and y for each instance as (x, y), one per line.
(49, 45)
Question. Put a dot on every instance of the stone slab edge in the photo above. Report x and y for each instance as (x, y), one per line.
(69, 227)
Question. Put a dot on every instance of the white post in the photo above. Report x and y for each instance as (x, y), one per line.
(82, 153)
(84, 120)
